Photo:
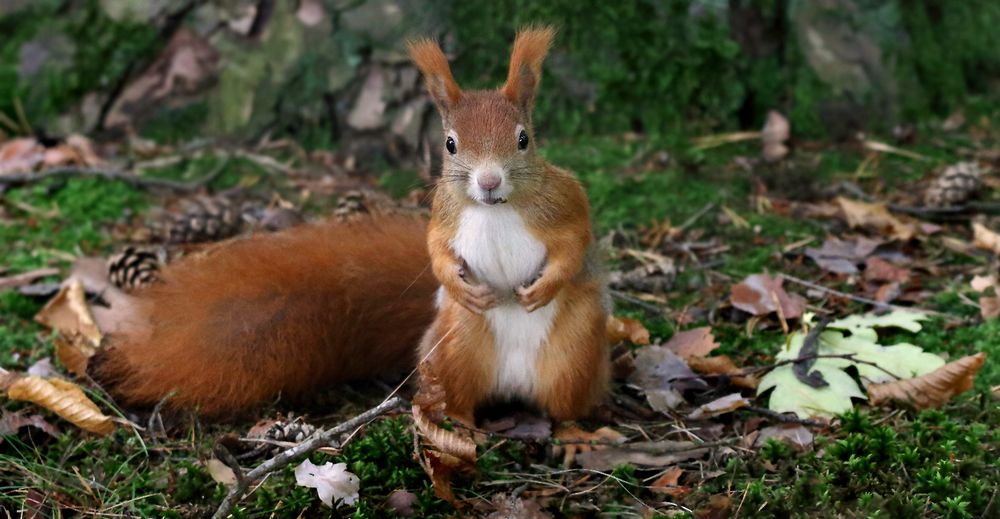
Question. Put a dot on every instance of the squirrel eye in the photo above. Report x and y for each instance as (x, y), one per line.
(450, 145)
(522, 140)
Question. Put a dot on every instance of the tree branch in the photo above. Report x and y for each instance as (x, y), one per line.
(284, 458)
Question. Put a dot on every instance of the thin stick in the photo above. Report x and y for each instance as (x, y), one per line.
(284, 458)
(649, 307)
(859, 299)
(22, 179)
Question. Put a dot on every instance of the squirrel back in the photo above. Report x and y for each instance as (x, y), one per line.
(276, 314)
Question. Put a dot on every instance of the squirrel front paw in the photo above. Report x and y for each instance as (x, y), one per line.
(476, 298)
(537, 294)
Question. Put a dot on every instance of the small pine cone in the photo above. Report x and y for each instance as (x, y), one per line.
(352, 204)
(203, 219)
(956, 185)
(133, 268)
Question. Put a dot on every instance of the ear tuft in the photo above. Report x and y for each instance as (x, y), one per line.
(530, 47)
(431, 61)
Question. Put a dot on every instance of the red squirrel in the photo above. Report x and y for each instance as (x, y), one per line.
(504, 299)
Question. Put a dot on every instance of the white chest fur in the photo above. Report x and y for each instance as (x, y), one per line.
(502, 253)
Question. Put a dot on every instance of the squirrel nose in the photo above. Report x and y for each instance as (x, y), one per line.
(488, 180)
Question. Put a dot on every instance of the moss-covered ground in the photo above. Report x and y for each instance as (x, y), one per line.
(940, 463)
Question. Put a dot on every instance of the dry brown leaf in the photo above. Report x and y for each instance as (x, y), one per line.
(933, 389)
(20, 155)
(692, 343)
(720, 406)
(74, 352)
(11, 422)
(64, 398)
(574, 441)
(719, 507)
(68, 313)
(723, 365)
(621, 329)
(430, 395)
(983, 283)
(989, 307)
(875, 216)
(757, 293)
(439, 467)
(646, 454)
(794, 435)
(448, 442)
(220, 472)
(878, 269)
(984, 238)
(669, 483)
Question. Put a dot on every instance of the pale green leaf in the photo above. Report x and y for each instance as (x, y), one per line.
(792, 396)
(864, 324)
(898, 361)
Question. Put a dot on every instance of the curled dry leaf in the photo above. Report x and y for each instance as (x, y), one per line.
(876, 217)
(758, 293)
(621, 329)
(68, 313)
(64, 398)
(720, 406)
(933, 389)
(574, 441)
(74, 352)
(448, 442)
(669, 483)
(984, 238)
(220, 472)
(692, 343)
(723, 365)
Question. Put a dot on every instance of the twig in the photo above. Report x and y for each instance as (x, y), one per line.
(22, 179)
(859, 299)
(694, 217)
(807, 357)
(781, 417)
(284, 458)
(227, 457)
(649, 307)
(26, 277)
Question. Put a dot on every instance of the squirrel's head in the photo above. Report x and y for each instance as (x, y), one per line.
(489, 140)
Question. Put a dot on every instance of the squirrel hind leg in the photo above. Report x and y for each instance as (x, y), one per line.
(574, 367)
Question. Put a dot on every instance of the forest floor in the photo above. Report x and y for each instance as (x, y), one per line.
(699, 221)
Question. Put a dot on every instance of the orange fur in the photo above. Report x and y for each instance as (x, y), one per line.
(431, 61)
(285, 313)
(572, 365)
(530, 48)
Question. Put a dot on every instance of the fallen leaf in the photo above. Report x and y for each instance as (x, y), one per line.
(757, 293)
(698, 342)
(430, 397)
(64, 398)
(74, 352)
(521, 426)
(401, 502)
(657, 368)
(69, 314)
(220, 472)
(669, 483)
(624, 329)
(573, 441)
(983, 283)
(509, 506)
(718, 507)
(984, 238)
(793, 435)
(876, 217)
(720, 406)
(11, 422)
(42, 368)
(843, 256)
(331, 481)
(723, 365)
(440, 467)
(644, 454)
(878, 269)
(933, 389)
(20, 155)
(989, 307)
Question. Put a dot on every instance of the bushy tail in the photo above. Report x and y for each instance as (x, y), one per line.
(285, 313)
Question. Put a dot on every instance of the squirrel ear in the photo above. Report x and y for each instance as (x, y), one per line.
(530, 48)
(431, 61)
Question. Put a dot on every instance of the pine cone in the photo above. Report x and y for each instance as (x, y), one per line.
(956, 185)
(134, 267)
(352, 204)
(202, 219)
